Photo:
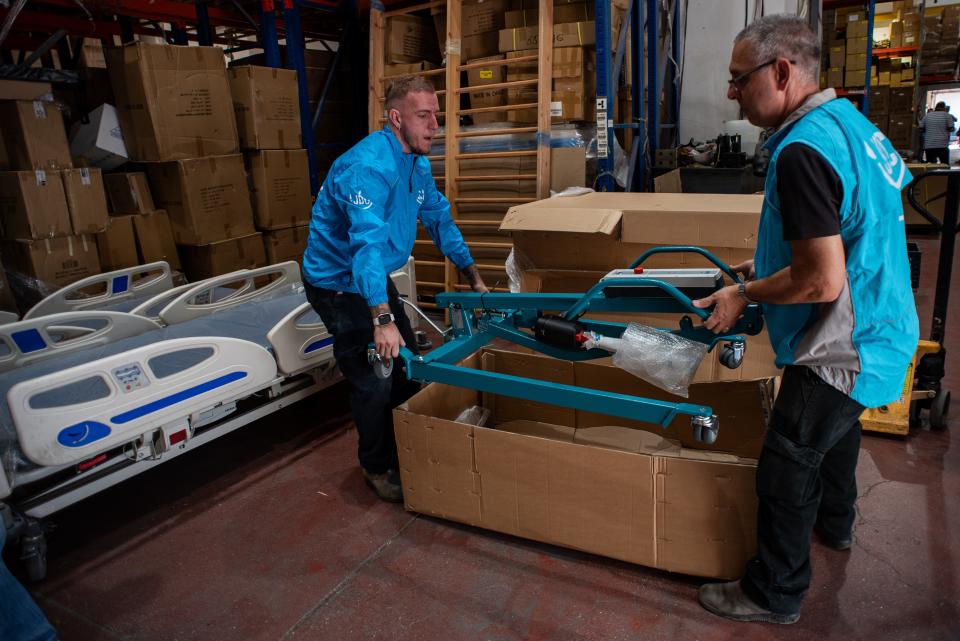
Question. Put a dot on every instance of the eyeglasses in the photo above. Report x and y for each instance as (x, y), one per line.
(739, 82)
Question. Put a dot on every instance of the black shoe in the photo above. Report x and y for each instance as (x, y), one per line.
(728, 600)
(385, 485)
(840, 544)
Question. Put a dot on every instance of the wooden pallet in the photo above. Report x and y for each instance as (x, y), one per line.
(489, 247)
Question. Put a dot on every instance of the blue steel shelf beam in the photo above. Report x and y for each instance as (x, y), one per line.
(296, 61)
(605, 98)
(865, 102)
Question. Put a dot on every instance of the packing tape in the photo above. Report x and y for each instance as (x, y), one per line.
(83, 241)
(41, 177)
(453, 47)
(46, 244)
(280, 138)
(579, 35)
(69, 246)
(543, 139)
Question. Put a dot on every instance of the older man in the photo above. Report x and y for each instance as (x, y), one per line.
(363, 227)
(832, 275)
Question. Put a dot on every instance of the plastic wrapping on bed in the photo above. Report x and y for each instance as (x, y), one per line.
(248, 321)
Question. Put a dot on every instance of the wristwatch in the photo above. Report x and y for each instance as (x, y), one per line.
(384, 319)
(742, 292)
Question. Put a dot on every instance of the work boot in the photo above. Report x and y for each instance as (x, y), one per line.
(728, 600)
(385, 485)
(841, 544)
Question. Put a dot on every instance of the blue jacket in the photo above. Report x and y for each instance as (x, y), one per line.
(364, 220)
(861, 343)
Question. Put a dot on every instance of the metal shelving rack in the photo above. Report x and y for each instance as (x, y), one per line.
(206, 22)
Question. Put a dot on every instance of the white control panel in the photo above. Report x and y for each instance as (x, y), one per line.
(130, 377)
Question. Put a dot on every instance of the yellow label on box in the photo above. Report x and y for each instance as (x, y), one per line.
(486, 74)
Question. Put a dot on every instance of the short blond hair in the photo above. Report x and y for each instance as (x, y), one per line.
(403, 85)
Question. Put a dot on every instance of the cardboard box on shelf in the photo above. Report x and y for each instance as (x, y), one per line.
(586, 481)
(854, 79)
(266, 104)
(49, 264)
(577, 12)
(24, 90)
(900, 130)
(572, 242)
(883, 78)
(837, 55)
(879, 100)
(438, 80)
(118, 244)
(34, 135)
(880, 121)
(207, 199)
(221, 257)
(856, 62)
(155, 238)
(480, 45)
(856, 29)
(901, 99)
(99, 142)
(570, 34)
(129, 193)
(173, 102)
(856, 45)
(906, 74)
(410, 39)
(835, 77)
(86, 200)
(477, 77)
(33, 205)
(285, 244)
(281, 188)
(482, 17)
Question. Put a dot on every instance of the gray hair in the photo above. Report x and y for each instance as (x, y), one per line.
(784, 36)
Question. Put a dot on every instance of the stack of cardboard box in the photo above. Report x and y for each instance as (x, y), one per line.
(177, 116)
(938, 56)
(268, 120)
(138, 233)
(48, 209)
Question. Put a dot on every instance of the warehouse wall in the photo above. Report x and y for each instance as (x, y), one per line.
(711, 27)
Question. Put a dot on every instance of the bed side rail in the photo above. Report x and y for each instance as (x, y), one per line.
(299, 346)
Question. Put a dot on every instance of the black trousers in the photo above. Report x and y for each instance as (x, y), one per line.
(347, 317)
(806, 476)
(938, 154)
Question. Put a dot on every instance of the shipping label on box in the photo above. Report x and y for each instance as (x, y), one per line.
(283, 245)
(266, 103)
(118, 244)
(86, 200)
(222, 257)
(33, 205)
(129, 193)
(207, 199)
(34, 135)
(173, 102)
(281, 188)
(493, 74)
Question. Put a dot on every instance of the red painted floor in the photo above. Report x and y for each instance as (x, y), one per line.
(271, 534)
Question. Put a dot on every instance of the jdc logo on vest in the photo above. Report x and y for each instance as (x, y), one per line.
(889, 162)
(358, 200)
(420, 196)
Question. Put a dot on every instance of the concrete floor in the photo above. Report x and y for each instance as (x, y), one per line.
(271, 534)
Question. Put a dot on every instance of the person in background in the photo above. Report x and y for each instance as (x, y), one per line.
(936, 127)
(363, 227)
(832, 275)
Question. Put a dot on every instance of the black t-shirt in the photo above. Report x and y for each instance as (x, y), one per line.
(810, 194)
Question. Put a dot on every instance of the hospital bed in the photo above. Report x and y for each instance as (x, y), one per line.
(94, 397)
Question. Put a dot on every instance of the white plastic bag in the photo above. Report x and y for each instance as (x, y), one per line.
(660, 358)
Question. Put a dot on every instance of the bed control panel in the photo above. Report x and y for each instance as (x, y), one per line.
(130, 377)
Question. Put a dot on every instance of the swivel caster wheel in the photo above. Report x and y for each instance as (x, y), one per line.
(731, 355)
(705, 428)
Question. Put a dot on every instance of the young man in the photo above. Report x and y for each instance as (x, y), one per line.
(831, 272)
(363, 227)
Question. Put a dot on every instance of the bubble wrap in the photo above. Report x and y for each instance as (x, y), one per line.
(660, 358)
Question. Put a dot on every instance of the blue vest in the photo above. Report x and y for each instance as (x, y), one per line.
(863, 342)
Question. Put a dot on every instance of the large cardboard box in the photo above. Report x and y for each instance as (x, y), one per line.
(281, 188)
(568, 244)
(222, 257)
(570, 34)
(582, 480)
(480, 45)
(837, 55)
(33, 205)
(879, 100)
(482, 17)
(86, 200)
(410, 39)
(129, 193)
(99, 142)
(901, 99)
(856, 62)
(477, 77)
(207, 198)
(155, 238)
(266, 103)
(34, 135)
(43, 266)
(438, 80)
(24, 90)
(285, 244)
(835, 77)
(174, 102)
(118, 244)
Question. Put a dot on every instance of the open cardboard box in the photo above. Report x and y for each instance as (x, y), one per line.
(568, 244)
(623, 489)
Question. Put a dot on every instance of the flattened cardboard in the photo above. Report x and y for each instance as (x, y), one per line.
(266, 105)
(214, 259)
(118, 244)
(34, 135)
(155, 238)
(86, 200)
(598, 487)
(207, 199)
(173, 102)
(280, 183)
(33, 205)
(285, 244)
